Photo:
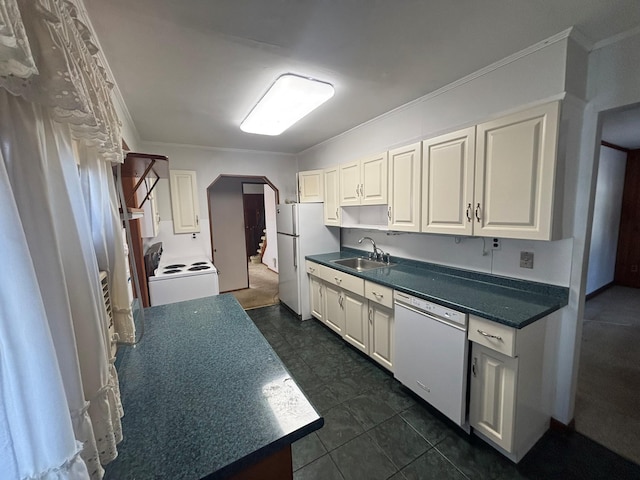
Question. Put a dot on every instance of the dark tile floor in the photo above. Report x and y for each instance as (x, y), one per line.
(376, 429)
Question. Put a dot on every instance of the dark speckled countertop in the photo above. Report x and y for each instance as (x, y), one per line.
(204, 395)
(509, 301)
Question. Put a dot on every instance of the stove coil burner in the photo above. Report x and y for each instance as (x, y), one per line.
(175, 265)
(196, 267)
(171, 271)
(198, 263)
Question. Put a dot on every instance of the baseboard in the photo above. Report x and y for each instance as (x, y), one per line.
(558, 426)
(599, 291)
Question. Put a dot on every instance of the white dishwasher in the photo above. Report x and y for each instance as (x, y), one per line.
(431, 354)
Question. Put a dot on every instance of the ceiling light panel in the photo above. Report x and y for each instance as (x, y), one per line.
(290, 98)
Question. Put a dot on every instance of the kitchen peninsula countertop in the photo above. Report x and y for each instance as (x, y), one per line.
(204, 395)
(512, 302)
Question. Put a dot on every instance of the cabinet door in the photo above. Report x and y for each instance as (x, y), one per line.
(334, 308)
(404, 188)
(515, 174)
(381, 334)
(150, 221)
(311, 186)
(332, 196)
(356, 327)
(447, 183)
(316, 294)
(350, 184)
(184, 201)
(374, 173)
(493, 392)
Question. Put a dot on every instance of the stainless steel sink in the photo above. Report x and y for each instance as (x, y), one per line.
(361, 264)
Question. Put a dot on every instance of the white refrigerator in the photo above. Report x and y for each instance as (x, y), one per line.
(301, 232)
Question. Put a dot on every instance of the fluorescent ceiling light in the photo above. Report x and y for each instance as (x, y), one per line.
(290, 98)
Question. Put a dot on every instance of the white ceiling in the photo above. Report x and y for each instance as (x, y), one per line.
(190, 71)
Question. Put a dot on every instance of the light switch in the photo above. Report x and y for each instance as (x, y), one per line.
(526, 259)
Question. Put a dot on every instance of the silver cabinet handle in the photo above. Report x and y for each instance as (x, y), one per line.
(468, 212)
(338, 280)
(488, 335)
(337, 213)
(474, 366)
(362, 189)
(358, 190)
(478, 212)
(378, 295)
(371, 316)
(197, 220)
(311, 269)
(389, 212)
(340, 301)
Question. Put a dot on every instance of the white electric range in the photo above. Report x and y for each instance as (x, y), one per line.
(179, 278)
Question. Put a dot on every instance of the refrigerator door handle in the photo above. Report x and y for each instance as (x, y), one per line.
(295, 253)
(294, 219)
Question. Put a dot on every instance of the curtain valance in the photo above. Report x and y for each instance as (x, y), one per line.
(47, 56)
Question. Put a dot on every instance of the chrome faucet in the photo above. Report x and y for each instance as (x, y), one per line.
(377, 253)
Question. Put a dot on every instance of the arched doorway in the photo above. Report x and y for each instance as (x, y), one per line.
(229, 230)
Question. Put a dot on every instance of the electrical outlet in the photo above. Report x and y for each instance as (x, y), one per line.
(526, 259)
(496, 244)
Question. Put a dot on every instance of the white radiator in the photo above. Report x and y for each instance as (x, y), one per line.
(106, 297)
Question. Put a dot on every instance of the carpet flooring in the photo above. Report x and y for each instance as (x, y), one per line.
(263, 288)
(608, 393)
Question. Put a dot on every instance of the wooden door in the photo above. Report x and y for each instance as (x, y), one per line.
(254, 221)
(628, 256)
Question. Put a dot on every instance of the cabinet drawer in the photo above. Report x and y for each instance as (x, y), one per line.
(493, 335)
(313, 268)
(343, 280)
(378, 293)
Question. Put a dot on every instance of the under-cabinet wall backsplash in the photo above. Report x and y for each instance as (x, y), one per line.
(183, 245)
(552, 260)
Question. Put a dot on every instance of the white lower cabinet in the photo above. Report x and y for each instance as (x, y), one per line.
(358, 310)
(507, 405)
(316, 297)
(356, 329)
(381, 334)
(493, 392)
(334, 308)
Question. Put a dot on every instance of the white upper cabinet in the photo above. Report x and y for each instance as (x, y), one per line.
(515, 174)
(311, 186)
(184, 201)
(332, 196)
(404, 188)
(350, 184)
(447, 183)
(364, 182)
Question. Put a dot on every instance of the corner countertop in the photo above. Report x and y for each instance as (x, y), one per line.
(512, 302)
(204, 395)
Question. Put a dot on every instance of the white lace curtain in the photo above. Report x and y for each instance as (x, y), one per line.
(59, 399)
